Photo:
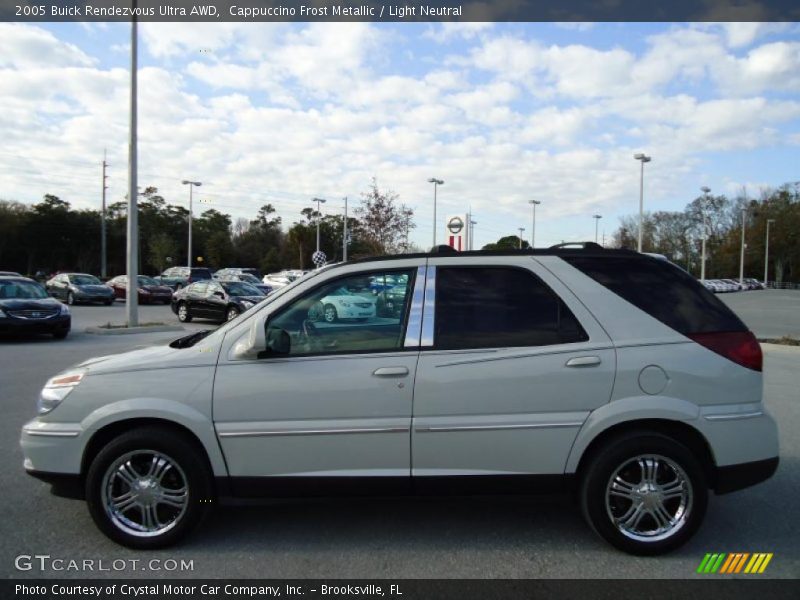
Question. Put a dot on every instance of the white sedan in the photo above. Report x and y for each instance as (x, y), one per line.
(343, 304)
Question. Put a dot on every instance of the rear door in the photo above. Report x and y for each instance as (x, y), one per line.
(511, 365)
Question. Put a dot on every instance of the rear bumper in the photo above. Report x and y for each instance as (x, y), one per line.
(737, 477)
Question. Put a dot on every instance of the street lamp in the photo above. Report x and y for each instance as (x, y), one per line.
(191, 185)
(436, 183)
(521, 231)
(596, 222)
(471, 232)
(766, 253)
(643, 158)
(705, 190)
(319, 216)
(533, 204)
(741, 256)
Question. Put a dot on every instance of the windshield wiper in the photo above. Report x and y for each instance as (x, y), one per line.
(190, 340)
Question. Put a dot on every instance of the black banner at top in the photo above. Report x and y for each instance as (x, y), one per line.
(399, 10)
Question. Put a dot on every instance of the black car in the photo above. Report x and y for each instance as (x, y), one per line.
(218, 300)
(246, 278)
(25, 307)
(73, 288)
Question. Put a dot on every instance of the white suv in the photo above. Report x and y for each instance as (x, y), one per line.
(605, 372)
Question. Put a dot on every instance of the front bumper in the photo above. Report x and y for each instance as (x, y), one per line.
(50, 325)
(55, 448)
(93, 296)
(65, 485)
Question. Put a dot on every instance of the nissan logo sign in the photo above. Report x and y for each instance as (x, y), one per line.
(455, 225)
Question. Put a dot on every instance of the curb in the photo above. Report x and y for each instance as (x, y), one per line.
(131, 330)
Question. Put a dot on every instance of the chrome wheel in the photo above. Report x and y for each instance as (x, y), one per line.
(649, 498)
(145, 493)
(183, 312)
(330, 313)
(232, 313)
(70, 299)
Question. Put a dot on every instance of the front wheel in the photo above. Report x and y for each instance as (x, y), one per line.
(183, 313)
(70, 299)
(232, 313)
(148, 488)
(329, 313)
(644, 493)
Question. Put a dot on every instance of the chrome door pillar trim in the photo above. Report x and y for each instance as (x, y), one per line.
(429, 306)
(415, 314)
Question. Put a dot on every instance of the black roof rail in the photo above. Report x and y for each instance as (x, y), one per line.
(581, 245)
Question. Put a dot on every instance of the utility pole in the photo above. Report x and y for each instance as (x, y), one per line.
(132, 291)
(344, 233)
(643, 158)
(534, 204)
(436, 183)
(103, 268)
(705, 189)
(596, 223)
(521, 231)
(741, 257)
(766, 255)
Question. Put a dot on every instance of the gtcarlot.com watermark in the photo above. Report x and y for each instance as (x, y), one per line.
(45, 562)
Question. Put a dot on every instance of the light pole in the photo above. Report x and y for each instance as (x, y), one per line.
(533, 204)
(436, 183)
(766, 254)
(596, 223)
(132, 266)
(643, 158)
(741, 256)
(705, 189)
(344, 233)
(319, 217)
(191, 185)
(521, 231)
(471, 232)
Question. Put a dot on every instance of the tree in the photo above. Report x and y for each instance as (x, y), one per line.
(382, 222)
(163, 251)
(509, 242)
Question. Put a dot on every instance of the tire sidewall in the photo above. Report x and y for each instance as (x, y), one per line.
(180, 449)
(330, 309)
(609, 458)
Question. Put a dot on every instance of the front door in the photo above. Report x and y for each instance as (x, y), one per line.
(511, 365)
(328, 407)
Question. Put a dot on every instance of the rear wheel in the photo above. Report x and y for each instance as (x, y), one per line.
(232, 313)
(644, 493)
(183, 313)
(148, 488)
(70, 298)
(330, 314)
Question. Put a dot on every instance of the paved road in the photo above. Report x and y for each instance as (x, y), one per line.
(396, 538)
(769, 313)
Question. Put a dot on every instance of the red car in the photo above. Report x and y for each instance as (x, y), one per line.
(150, 292)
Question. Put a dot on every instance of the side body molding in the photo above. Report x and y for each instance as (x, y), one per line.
(629, 409)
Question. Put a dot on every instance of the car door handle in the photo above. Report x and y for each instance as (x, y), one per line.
(583, 361)
(390, 372)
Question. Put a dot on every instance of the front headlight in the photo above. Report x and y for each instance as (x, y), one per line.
(144, 292)
(64, 309)
(2, 314)
(56, 389)
(345, 304)
(247, 303)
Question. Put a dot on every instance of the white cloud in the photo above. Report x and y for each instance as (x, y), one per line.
(29, 47)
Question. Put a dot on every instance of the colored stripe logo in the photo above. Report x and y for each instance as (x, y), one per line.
(735, 562)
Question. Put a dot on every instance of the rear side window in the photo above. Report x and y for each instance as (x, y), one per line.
(663, 291)
(201, 274)
(499, 307)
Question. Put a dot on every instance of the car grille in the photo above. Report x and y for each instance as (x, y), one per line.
(33, 314)
(363, 304)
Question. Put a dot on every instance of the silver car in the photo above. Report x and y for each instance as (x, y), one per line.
(605, 373)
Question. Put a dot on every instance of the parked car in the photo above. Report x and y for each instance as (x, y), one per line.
(10, 274)
(25, 307)
(342, 303)
(238, 271)
(149, 291)
(218, 300)
(75, 288)
(177, 278)
(276, 280)
(553, 369)
(246, 278)
(733, 285)
(753, 284)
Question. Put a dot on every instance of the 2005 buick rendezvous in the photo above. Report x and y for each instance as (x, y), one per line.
(605, 371)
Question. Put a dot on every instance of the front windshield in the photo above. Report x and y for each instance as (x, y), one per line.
(239, 288)
(248, 278)
(21, 290)
(84, 280)
(145, 280)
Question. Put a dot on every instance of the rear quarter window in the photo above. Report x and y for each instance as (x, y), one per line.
(662, 290)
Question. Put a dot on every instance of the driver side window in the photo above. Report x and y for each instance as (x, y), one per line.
(359, 313)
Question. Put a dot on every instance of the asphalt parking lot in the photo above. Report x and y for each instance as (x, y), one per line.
(514, 537)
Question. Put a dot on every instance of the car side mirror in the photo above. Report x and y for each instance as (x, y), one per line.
(251, 345)
(278, 342)
(219, 294)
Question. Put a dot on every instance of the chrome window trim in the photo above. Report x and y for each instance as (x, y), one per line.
(44, 433)
(414, 328)
(429, 308)
(732, 417)
(284, 432)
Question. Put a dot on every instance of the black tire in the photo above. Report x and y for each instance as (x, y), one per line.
(329, 314)
(184, 316)
(138, 444)
(109, 302)
(668, 458)
(60, 334)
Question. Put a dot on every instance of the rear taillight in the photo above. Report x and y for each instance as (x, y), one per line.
(739, 346)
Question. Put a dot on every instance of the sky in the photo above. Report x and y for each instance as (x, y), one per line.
(503, 113)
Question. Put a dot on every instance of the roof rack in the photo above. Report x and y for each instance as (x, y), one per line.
(580, 245)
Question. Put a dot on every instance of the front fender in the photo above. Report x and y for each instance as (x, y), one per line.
(628, 409)
(166, 410)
